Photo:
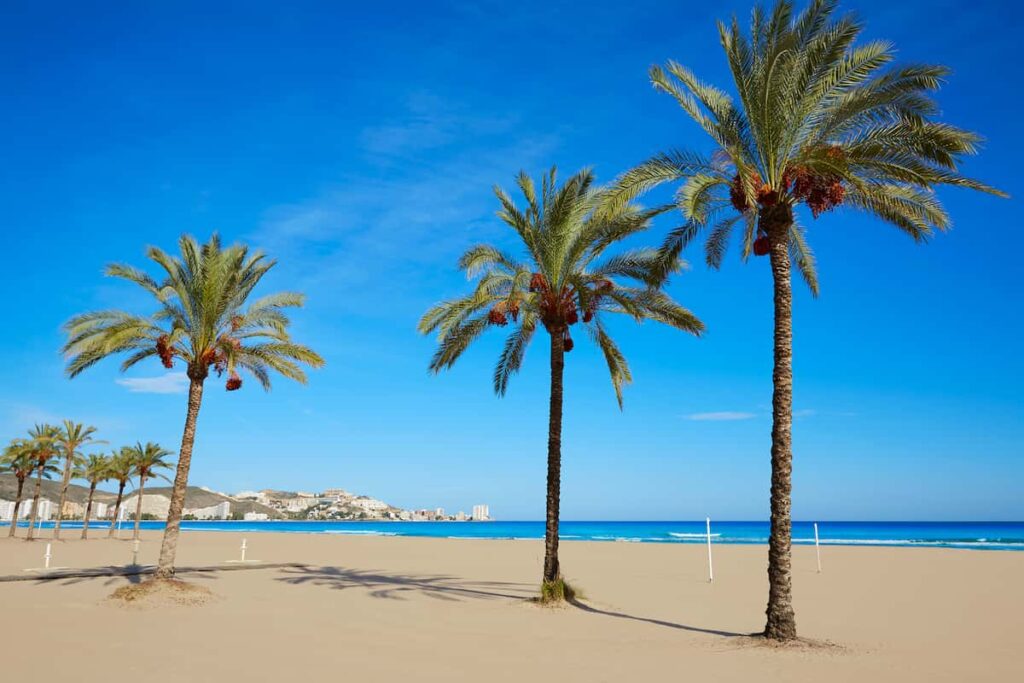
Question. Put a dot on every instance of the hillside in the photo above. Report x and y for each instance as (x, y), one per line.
(195, 497)
(51, 490)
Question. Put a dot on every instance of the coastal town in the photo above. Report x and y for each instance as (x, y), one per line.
(202, 503)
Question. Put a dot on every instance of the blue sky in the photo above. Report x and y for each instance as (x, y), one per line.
(358, 146)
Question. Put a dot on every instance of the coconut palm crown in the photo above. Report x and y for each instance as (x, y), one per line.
(204, 321)
(817, 121)
(566, 280)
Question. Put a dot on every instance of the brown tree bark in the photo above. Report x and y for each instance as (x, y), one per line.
(65, 481)
(88, 511)
(781, 620)
(35, 502)
(117, 510)
(138, 507)
(552, 569)
(17, 505)
(169, 547)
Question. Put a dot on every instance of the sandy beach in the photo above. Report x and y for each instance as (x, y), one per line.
(436, 609)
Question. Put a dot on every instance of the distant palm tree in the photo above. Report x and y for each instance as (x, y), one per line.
(145, 461)
(565, 280)
(18, 459)
(202, 320)
(820, 121)
(95, 469)
(44, 444)
(121, 469)
(74, 435)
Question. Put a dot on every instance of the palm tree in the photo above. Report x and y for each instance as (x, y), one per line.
(819, 121)
(95, 469)
(121, 470)
(565, 280)
(203, 321)
(44, 445)
(73, 436)
(19, 460)
(145, 461)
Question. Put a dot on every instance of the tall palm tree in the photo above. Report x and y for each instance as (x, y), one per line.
(18, 459)
(73, 436)
(44, 444)
(94, 469)
(204, 319)
(820, 121)
(121, 470)
(145, 461)
(566, 279)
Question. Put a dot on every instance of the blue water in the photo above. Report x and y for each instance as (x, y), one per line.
(971, 535)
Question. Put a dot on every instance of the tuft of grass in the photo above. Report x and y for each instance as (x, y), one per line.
(558, 591)
(155, 593)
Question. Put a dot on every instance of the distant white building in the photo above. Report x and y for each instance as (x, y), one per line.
(256, 516)
(221, 510)
(99, 510)
(6, 510)
(460, 516)
(439, 512)
(481, 513)
(336, 494)
(300, 503)
(369, 504)
(156, 505)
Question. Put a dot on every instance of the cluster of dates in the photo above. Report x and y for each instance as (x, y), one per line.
(558, 311)
(821, 192)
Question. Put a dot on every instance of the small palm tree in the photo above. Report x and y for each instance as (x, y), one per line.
(820, 122)
(565, 281)
(19, 460)
(121, 470)
(94, 469)
(145, 461)
(44, 445)
(73, 436)
(205, 321)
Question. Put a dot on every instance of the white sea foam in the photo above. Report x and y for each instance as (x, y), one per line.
(679, 534)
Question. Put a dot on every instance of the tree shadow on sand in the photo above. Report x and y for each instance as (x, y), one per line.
(590, 609)
(398, 586)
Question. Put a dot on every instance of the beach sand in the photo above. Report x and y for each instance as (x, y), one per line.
(391, 608)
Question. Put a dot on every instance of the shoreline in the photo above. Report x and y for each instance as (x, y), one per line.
(986, 536)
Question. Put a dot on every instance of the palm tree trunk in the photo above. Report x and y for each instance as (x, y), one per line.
(88, 511)
(138, 508)
(17, 505)
(117, 510)
(65, 481)
(781, 622)
(35, 503)
(552, 570)
(169, 547)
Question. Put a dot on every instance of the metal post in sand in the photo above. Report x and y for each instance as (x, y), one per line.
(817, 546)
(711, 570)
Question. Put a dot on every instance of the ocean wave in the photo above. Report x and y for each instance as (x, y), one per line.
(680, 534)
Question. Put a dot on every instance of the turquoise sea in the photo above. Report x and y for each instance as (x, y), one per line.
(969, 535)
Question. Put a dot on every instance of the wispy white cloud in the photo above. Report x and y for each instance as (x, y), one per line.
(170, 383)
(721, 416)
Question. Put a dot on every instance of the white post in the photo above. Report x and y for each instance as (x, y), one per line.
(817, 546)
(711, 570)
(46, 557)
(135, 553)
(243, 550)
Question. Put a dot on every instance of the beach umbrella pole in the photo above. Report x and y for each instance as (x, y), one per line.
(817, 546)
(711, 569)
